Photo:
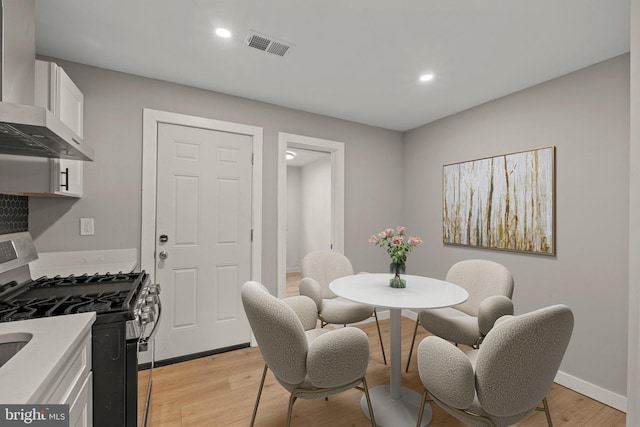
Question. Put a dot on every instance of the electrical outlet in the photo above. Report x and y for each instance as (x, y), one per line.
(86, 226)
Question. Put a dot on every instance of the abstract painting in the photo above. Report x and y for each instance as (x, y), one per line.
(504, 202)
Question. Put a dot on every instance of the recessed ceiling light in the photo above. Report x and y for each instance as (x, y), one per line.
(291, 155)
(223, 32)
(426, 77)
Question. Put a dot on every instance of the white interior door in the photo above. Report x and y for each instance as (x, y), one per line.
(203, 238)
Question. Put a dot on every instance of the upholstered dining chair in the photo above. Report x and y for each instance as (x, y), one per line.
(318, 269)
(307, 361)
(490, 287)
(503, 381)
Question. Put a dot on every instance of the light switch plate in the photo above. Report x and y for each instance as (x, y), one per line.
(86, 226)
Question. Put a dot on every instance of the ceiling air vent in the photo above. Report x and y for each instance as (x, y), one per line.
(268, 44)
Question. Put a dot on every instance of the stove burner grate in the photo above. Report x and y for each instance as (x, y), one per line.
(22, 309)
(84, 279)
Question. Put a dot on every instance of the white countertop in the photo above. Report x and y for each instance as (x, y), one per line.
(25, 377)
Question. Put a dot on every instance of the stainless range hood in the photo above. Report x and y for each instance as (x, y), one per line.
(25, 129)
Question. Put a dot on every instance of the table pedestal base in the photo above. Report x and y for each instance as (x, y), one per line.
(391, 412)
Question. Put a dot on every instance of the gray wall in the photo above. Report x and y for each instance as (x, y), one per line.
(316, 206)
(633, 386)
(293, 218)
(586, 116)
(113, 126)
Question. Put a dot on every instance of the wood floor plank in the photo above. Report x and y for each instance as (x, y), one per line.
(220, 391)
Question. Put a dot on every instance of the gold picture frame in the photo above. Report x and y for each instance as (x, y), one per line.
(504, 202)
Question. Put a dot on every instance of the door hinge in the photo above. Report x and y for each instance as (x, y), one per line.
(252, 155)
(252, 234)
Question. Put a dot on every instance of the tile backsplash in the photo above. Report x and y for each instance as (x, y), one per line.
(14, 213)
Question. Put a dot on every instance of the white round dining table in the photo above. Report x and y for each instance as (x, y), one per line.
(394, 405)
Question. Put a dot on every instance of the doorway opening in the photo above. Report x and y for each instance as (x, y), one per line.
(311, 217)
(308, 205)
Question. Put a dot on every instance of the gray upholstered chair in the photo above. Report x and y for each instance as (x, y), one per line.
(318, 269)
(310, 363)
(490, 287)
(503, 381)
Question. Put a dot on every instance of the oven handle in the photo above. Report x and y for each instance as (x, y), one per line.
(144, 341)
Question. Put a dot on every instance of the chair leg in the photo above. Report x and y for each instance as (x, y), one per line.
(545, 405)
(384, 357)
(366, 393)
(255, 409)
(413, 341)
(421, 408)
(292, 400)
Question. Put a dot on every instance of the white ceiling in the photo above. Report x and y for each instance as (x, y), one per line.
(357, 60)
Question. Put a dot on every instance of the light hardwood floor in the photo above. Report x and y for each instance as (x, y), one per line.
(220, 390)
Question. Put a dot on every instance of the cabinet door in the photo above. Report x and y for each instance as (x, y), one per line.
(70, 102)
(81, 409)
(66, 177)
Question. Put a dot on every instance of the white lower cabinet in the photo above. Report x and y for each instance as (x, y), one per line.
(73, 385)
(80, 411)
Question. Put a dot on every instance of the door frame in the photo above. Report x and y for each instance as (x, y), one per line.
(336, 150)
(150, 121)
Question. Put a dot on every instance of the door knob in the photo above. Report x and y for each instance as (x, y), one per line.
(164, 255)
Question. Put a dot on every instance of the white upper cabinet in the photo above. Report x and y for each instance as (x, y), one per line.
(39, 176)
(56, 92)
(66, 177)
(69, 102)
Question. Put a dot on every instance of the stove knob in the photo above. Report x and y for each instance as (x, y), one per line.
(151, 299)
(146, 309)
(147, 317)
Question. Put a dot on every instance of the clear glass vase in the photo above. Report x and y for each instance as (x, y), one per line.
(396, 281)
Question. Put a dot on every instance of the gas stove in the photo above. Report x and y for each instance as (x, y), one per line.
(113, 297)
(127, 308)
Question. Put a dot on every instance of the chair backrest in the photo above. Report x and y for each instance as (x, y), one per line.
(519, 359)
(481, 278)
(324, 267)
(278, 331)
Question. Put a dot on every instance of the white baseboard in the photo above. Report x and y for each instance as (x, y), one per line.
(293, 269)
(578, 385)
(410, 314)
(592, 391)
